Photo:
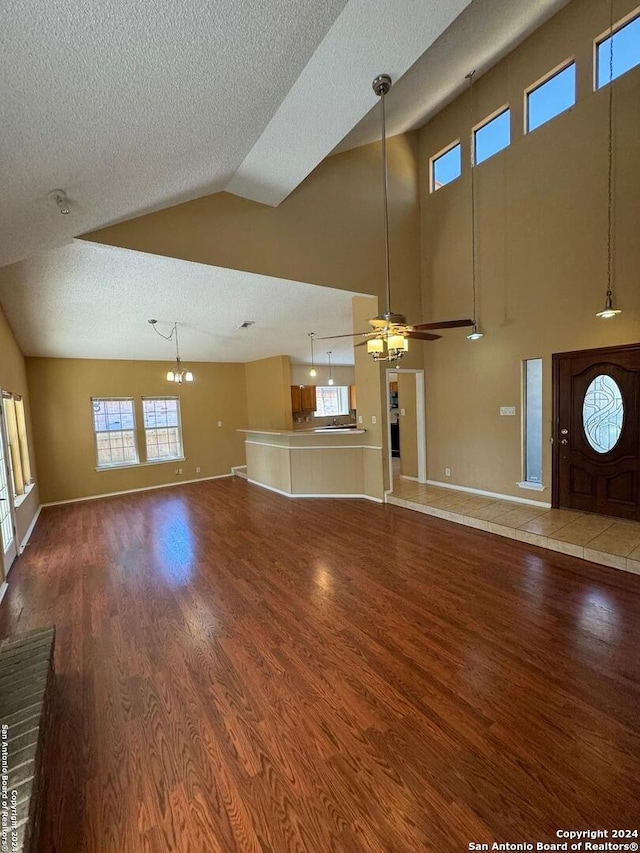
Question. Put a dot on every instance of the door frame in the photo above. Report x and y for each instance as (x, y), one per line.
(4, 570)
(555, 372)
(420, 422)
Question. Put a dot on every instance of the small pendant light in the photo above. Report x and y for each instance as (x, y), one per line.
(330, 381)
(313, 372)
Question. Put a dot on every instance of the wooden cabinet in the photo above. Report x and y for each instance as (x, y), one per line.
(352, 398)
(303, 398)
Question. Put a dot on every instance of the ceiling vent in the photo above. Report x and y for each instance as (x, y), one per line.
(246, 324)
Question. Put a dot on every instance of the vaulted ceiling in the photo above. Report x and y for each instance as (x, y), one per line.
(131, 107)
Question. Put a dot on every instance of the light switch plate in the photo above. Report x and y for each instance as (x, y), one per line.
(403, 412)
(359, 419)
(507, 410)
(374, 420)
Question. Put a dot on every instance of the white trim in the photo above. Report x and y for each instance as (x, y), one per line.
(311, 495)
(496, 495)
(27, 535)
(421, 427)
(18, 500)
(239, 471)
(3, 588)
(370, 446)
(407, 477)
(131, 491)
(534, 487)
(141, 464)
(314, 446)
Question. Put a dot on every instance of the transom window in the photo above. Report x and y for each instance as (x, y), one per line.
(162, 431)
(114, 426)
(620, 50)
(493, 136)
(551, 97)
(331, 401)
(446, 167)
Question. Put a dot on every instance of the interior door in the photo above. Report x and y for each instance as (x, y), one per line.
(8, 540)
(597, 431)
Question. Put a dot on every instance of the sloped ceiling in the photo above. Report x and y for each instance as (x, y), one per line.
(132, 107)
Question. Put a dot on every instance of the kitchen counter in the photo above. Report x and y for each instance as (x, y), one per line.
(316, 462)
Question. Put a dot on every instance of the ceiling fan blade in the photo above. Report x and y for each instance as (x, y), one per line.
(352, 335)
(444, 324)
(422, 336)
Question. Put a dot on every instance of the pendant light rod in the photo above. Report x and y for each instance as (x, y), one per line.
(475, 333)
(609, 310)
(381, 86)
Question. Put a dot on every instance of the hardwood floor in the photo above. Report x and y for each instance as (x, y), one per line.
(237, 671)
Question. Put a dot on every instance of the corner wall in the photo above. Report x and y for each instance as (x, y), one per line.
(541, 227)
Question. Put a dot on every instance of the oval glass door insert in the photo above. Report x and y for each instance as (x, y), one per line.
(602, 413)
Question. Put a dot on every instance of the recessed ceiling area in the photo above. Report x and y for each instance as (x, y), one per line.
(85, 300)
(131, 108)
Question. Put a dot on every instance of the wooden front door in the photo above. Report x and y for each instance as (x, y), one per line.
(596, 458)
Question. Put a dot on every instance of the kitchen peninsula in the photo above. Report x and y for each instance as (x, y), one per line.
(325, 462)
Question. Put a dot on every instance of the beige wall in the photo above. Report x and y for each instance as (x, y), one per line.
(268, 389)
(13, 378)
(408, 424)
(61, 390)
(328, 231)
(541, 249)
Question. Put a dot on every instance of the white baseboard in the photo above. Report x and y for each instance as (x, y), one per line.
(27, 535)
(132, 491)
(496, 495)
(407, 477)
(311, 495)
(239, 471)
(3, 588)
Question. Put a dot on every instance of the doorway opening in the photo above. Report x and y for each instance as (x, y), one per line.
(8, 536)
(406, 432)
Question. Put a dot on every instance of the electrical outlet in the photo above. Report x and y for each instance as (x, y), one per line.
(403, 412)
(447, 472)
(507, 410)
(178, 470)
(374, 419)
(359, 419)
(198, 469)
(219, 423)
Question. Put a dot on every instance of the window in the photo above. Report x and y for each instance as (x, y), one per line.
(18, 449)
(331, 401)
(623, 48)
(533, 420)
(446, 167)
(114, 425)
(162, 433)
(551, 97)
(493, 136)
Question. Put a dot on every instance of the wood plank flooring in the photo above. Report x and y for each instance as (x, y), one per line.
(242, 672)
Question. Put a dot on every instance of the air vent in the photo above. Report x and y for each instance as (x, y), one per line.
(246, 324)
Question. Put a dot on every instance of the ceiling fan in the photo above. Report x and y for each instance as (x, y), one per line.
(388, 339)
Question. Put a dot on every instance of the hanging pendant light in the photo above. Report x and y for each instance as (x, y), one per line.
(475, 333)
(313, 371)
(177, 374)
(609, 309)
(330, 380)
(388, 344)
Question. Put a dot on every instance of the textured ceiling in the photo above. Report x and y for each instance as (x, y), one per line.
(85, 300)
(132, 107)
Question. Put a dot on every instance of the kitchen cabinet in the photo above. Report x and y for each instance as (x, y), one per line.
(352, 398)
(303, 398)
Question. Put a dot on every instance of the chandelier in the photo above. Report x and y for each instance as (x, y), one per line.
(177, 374)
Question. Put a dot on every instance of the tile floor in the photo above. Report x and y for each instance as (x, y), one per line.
(599, 539)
